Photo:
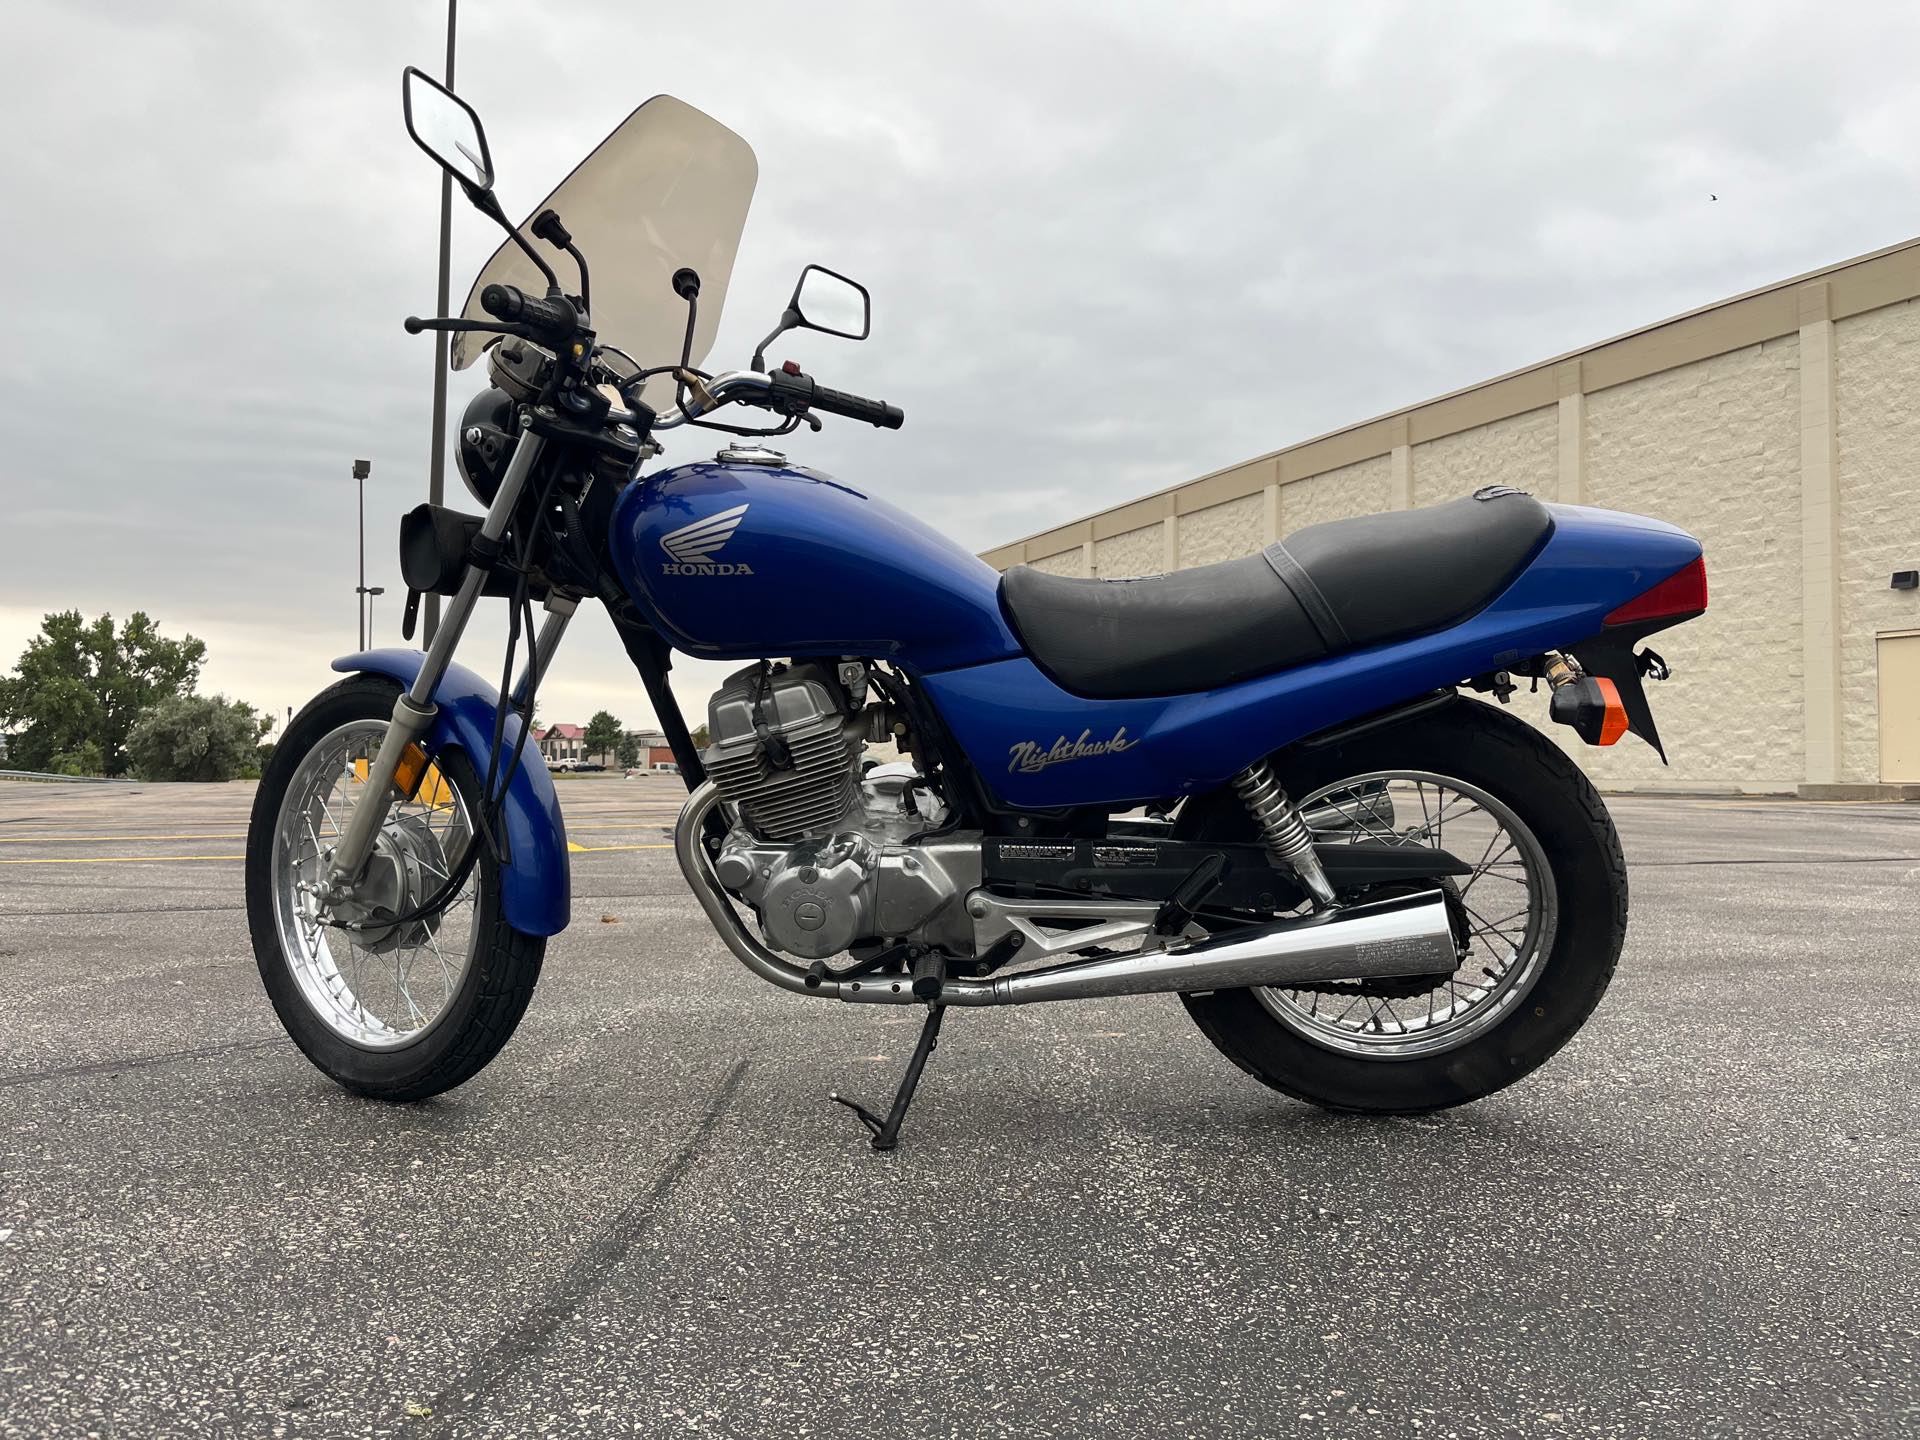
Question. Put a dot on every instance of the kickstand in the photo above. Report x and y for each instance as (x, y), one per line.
(886, 1133)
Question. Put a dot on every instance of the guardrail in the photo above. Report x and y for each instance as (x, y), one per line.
(45, 778)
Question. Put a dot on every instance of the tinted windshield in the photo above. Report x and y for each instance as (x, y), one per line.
(669, 187)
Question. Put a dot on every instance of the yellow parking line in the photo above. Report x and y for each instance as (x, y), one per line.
(122, 860)
(71, 839)
(157, 859)
(89, 839)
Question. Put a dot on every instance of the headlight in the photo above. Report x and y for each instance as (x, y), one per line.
(486, 442)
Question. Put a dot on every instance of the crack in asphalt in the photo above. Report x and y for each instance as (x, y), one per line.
(589, 1272)
(139, 1062)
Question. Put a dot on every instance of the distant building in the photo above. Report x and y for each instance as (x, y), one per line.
(562, 743)
(655, 753)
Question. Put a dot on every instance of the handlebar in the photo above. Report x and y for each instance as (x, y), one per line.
(552, 315)
(792, 390)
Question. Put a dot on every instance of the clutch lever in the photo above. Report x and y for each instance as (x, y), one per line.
(414, 325)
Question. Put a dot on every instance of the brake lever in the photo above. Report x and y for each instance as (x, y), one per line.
(414, 325)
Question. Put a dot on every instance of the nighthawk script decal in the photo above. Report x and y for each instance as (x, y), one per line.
(692, 547)
(1029, 756)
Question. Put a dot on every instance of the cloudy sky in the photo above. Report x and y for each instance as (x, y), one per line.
(1111, 246)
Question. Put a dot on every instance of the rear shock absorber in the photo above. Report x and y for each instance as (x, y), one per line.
(1289, 843)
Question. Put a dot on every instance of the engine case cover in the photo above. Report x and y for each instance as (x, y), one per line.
(863, 882)
(818, 899)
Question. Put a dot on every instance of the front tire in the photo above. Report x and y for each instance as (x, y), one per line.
(1531, 1001)
(418, 1009)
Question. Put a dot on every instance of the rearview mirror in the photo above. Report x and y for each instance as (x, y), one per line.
(445, 126)
(824, 300)
(831, 303)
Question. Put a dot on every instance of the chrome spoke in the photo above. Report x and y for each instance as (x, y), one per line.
(358, 974)
(1510, 918)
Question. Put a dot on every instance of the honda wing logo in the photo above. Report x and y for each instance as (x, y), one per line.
(692, 547)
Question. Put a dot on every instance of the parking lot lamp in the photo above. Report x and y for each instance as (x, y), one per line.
(361, 469)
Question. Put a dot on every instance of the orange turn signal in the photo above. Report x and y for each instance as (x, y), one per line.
(1614, 723)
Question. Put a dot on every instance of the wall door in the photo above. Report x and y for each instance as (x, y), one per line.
(1900, 708)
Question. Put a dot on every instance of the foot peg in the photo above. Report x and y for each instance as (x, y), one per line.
(886, 1133)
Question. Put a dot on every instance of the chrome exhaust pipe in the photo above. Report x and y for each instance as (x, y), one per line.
(1407, 935)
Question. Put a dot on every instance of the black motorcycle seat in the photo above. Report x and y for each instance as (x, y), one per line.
(1326, 589)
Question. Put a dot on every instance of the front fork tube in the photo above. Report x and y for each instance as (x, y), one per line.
(414, 711)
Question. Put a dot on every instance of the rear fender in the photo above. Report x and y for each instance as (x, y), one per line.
(534, 887)
(1610, 655)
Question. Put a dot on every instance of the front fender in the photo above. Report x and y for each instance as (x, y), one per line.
(534, 888)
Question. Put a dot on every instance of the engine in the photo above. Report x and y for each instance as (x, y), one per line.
(824, 852)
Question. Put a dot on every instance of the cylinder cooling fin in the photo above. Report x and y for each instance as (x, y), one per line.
(783, 749)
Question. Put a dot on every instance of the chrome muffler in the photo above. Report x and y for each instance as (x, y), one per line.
(1406, 935)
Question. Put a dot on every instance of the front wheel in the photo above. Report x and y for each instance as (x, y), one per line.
(395, 1011)
(1545, 909)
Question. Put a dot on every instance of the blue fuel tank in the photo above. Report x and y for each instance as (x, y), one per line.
(736, 560)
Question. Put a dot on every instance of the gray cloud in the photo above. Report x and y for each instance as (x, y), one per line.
(1111, 247)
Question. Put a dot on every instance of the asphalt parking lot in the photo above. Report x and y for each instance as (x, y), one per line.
(1701, 1220)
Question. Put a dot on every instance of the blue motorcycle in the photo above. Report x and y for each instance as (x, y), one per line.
(1257, 785)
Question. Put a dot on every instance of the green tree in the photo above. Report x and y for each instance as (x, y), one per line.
(197, 737)
(699, 736)
(627, 752)
(86, 760)
(80, 687)
(603, 733)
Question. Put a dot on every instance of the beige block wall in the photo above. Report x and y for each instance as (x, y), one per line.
(1130, 555)
(1522, 451)
(1067, 562)
(1361, 489)
(1877, 381)
(1715, 449)
(1222, 532)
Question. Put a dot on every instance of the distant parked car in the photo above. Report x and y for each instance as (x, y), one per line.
(584, 765)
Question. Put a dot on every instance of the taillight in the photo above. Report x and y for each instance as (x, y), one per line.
(1682, 593)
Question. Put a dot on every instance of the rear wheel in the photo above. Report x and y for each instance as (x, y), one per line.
(396, 1011)
(1545, 910)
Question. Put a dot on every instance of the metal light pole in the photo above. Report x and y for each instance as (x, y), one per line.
(437, 465)
(361, 469)
(375, 590)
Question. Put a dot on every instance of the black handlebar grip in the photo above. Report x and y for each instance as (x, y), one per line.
(502, 301)
(511, 303)
(857, 407)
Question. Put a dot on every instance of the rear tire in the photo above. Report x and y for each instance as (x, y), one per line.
(1548, 794)
(474, 1016)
